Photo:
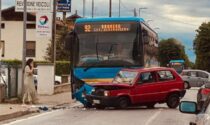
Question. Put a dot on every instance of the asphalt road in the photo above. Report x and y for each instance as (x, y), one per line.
(161, 115)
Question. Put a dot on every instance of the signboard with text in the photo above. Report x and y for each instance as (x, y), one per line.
(34, 5)
(64, 6)
(44, 25)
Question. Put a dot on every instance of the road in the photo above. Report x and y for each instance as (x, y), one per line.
(161, 115)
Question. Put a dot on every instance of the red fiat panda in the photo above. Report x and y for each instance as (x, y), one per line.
(142, 86)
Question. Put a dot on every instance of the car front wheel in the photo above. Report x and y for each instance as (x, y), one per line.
(173, 101)
(123, 102)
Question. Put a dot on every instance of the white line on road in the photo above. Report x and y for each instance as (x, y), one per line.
(29, 118)
(152, 118)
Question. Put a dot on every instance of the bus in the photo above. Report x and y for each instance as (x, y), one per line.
(100, 47)
(178, 65)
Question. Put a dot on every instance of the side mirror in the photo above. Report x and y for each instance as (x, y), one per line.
(188, 107)
(68, 40)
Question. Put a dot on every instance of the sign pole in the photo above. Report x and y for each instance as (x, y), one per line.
(54, 36)
(0, 28)
(24, 41)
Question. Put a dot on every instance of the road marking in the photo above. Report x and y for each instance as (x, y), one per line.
(29, 118)
(152, 118)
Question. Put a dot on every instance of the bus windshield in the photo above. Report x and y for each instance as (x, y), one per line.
(107, 48)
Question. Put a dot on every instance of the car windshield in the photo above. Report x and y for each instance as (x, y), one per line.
(125, 77)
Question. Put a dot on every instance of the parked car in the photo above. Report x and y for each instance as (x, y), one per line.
(202, 115)
(143, 86)
(195, 78)
(203, 94)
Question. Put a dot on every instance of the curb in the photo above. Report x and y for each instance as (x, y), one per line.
(16, 114)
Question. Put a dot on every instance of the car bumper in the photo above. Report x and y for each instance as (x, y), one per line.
(102, 100)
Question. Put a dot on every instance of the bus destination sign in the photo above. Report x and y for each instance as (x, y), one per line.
(109, 27)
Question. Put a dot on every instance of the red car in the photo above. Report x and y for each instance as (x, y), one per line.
(139, 86)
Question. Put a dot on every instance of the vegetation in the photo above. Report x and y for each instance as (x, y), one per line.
(171, 49)
(62, 67)
(202, 47)
(61, 53)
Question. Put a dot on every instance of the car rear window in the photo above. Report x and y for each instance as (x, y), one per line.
(165, 75)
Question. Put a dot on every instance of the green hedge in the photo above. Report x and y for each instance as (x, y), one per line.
(62, 67)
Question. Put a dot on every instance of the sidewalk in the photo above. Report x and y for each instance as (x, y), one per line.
(8, 111)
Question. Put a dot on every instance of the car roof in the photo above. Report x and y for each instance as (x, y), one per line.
(147, 69)
(189, 70)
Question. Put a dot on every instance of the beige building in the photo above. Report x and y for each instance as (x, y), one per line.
(12, 37)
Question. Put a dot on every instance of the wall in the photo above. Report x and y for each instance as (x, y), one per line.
(12, 34)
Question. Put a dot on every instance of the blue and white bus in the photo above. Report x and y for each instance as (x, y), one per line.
(100, 47)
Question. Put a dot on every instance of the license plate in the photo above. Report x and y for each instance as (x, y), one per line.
(96, 101)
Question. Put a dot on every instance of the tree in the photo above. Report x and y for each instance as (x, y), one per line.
(61, 53)
(171, 49)
(202, 47)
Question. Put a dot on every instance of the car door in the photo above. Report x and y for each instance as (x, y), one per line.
(167, 81)
(146, 89)
(203, 77)
(193, 79)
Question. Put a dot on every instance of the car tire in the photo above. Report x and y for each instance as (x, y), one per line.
(173, 101)
(151, 106)
(123, 102)
(186, 85)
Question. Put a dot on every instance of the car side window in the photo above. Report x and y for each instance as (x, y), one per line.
(193, 74)
(165, 75)
(202, 75)
(147, 77)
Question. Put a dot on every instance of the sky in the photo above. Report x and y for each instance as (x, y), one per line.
(170, 18)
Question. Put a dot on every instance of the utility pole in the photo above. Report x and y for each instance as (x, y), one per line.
(140, 10)
(54, 33)
(24, 41)
(134, 12)
(84, 5)
(92, 8)
(119, 8)
(110, 8)
(0, 25)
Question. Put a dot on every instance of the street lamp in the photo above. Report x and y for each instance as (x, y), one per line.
(142, 8)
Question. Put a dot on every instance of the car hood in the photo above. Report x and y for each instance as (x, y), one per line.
(112, 86)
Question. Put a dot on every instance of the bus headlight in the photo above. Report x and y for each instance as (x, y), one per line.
(106, 93)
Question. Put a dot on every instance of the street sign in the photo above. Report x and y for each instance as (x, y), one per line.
(34, 5)
(44, 25)
(64, 6)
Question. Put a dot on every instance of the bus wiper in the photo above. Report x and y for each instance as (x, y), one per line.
(94, 64)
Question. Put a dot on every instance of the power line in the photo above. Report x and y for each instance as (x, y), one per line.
(177, 21)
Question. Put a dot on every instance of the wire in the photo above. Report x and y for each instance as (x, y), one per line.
(177, 21)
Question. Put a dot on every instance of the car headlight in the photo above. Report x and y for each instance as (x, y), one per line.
(106, 93)
(93, 90)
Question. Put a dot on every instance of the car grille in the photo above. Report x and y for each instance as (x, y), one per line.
(98, 92)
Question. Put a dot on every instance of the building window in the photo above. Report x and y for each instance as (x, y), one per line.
(2, 25)
(30, 49)
(2, 48)
(30, 26)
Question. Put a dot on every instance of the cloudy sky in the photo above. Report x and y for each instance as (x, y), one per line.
(170, 18)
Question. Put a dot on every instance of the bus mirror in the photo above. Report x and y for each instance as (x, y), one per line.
(68, 40)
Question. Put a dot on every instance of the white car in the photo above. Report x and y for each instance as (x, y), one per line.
(195, 78)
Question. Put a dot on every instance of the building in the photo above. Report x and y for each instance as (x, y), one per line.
(11, 46)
